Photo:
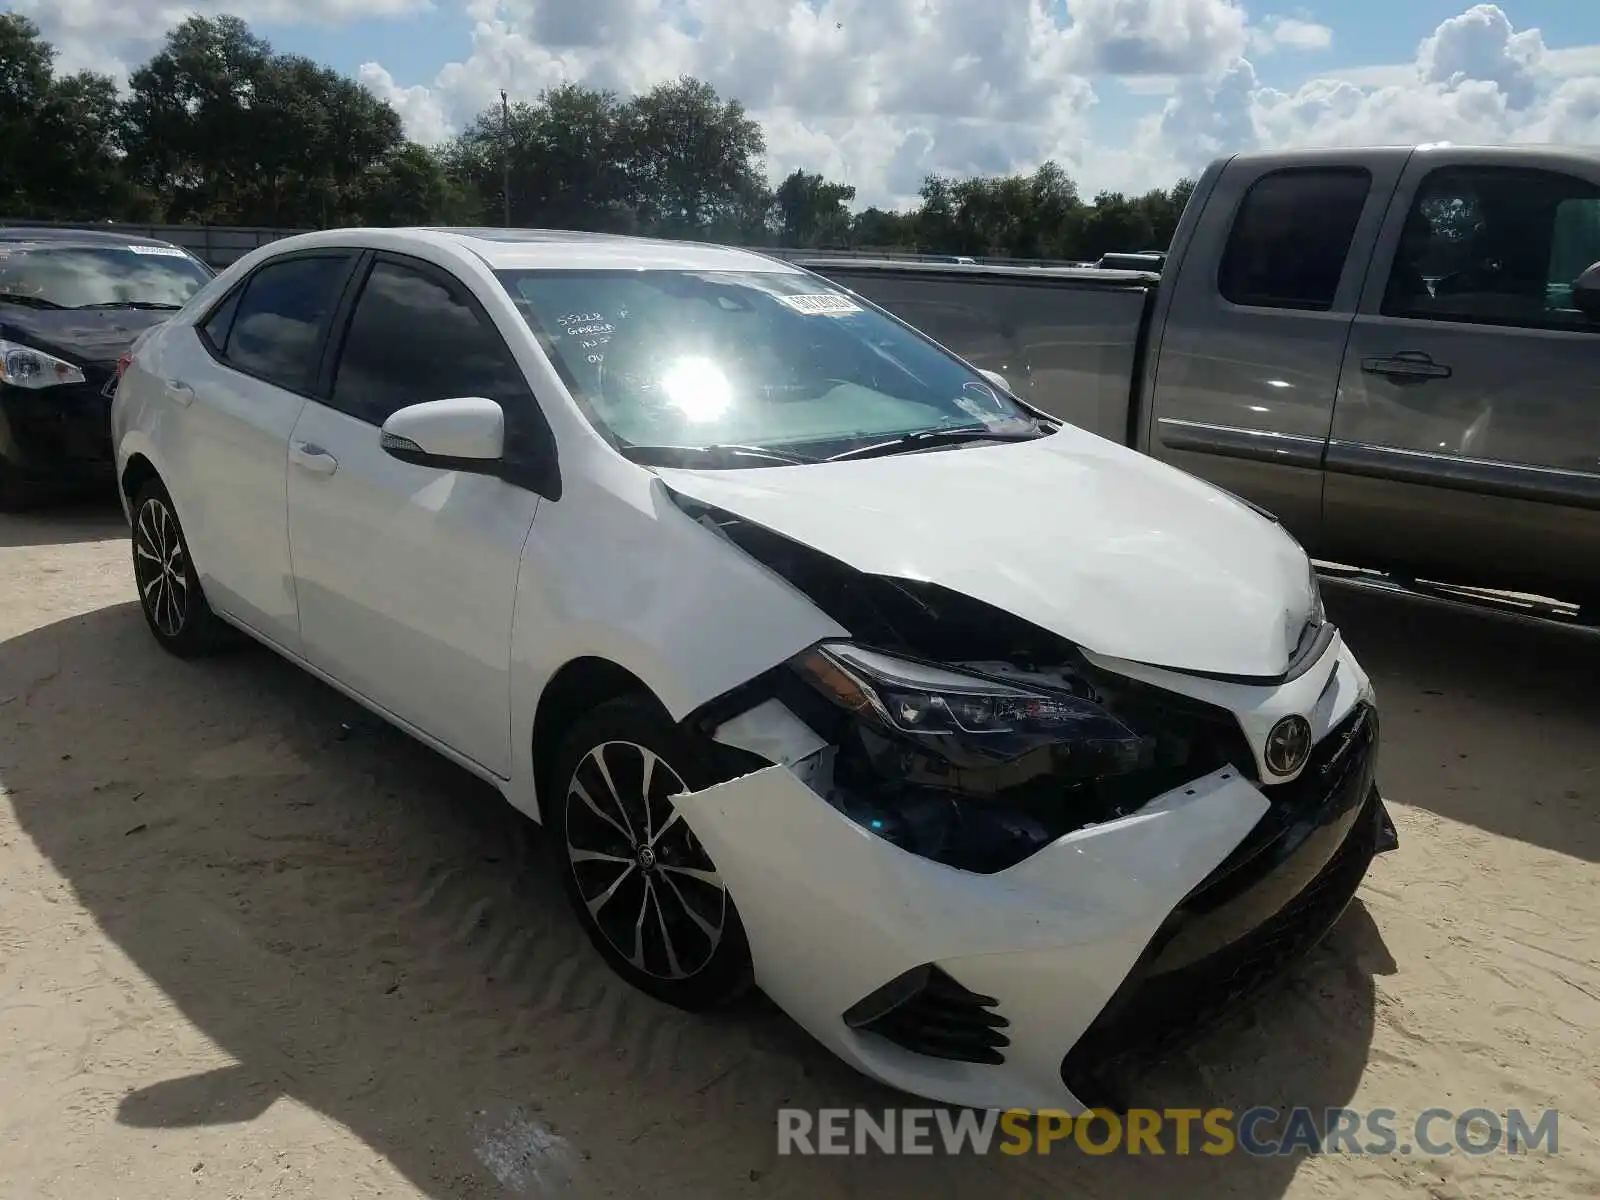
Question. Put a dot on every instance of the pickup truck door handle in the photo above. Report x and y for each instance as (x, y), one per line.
(1409, 366)
(180, 391)
(313, 458)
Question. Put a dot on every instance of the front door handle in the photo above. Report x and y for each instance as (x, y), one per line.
(313, 458)
(1409, 366)
(180, 391)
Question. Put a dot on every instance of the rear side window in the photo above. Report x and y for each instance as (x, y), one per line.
(217, 326)
(1291, 236)
(1496, 246)
(413, 338)
(280, 317)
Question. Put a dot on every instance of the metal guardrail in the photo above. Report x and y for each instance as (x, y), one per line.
(221, 245)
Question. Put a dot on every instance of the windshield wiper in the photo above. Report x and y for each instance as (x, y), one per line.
(922, 439)
(28, 301)
(673, 456)
(150, 305)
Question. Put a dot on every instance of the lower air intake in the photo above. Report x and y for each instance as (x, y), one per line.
(927, 1012)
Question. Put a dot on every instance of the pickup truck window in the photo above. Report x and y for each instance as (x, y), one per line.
(1495, 246)
(1291, 236)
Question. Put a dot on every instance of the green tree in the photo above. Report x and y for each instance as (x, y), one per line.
(58, 136)
(565, 154)
(223, 129)
(810, 211)
(694, 163)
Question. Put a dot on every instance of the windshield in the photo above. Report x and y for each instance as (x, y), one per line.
(756, 361)
(98, 276)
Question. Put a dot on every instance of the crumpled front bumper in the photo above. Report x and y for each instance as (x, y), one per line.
(1089, 952)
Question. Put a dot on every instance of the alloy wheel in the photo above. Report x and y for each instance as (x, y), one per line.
(649, 886)
(160, 568)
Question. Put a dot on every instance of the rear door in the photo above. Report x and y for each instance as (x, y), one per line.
(237, 382)
(407, 574)
(1466, 443)
(1255, 328)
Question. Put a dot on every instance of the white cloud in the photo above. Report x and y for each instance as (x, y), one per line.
(879, 93)
(98, 36)
(1289, 33)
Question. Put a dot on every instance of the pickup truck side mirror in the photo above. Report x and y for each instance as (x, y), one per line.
(467, 433)
(1586, 292)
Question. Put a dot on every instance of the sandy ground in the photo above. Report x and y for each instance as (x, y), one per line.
(246, 951)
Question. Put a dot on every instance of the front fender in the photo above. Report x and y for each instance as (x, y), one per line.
(623, 574)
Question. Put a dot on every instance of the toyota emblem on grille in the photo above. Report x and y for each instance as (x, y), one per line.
(1288, 746)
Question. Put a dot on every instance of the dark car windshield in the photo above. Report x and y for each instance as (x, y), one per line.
(98, 276)
(749, 361)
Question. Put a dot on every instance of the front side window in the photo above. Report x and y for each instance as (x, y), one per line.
(1497, 246)
(413, 339)
(277, 327)
(776, 361)
(155, 277)
(1291, 236)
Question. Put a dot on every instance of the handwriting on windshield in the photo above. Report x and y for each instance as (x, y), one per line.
(592, 331)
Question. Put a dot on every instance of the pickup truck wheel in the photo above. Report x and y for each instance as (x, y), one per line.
(170, 596)
(646, 892)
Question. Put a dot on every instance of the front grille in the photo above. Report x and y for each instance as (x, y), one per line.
(1347, 752)
(1241, 928)
(70, 421)
(927, 1012)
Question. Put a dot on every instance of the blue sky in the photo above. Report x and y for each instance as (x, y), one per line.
(1126, 94)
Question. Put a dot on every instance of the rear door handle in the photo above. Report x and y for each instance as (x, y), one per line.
(313, 458)
(180, 391)
(1409, 366)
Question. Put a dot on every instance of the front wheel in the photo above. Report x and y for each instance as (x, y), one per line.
(170, 596)
(644, 889)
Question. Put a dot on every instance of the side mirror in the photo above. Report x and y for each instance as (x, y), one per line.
(1586, 292)
(997, 379)
(467, 433)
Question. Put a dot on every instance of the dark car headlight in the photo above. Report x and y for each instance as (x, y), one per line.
(971, 721)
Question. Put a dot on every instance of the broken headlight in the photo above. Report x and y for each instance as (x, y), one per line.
(934, 725)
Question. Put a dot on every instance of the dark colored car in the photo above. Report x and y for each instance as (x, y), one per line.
(71, 304)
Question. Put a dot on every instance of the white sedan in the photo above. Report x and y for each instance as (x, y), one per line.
(998, 755)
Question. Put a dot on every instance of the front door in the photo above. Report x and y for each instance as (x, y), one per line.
(1466, 442)
(1261, 306)
(406, 574)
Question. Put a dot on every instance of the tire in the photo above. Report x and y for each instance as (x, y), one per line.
(170, 596)
(691, 951)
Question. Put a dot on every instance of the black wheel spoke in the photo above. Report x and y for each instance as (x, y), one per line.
(160, 569)
(652, 891)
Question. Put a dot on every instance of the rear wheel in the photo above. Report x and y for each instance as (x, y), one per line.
(645, 890)
(170, 595)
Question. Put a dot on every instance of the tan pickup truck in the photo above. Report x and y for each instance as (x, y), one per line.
(1395, 351)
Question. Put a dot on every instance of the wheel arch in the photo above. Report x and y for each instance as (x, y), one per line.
(138, 471)
(579, 686)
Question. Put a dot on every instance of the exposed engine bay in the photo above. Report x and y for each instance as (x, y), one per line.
(956, 730)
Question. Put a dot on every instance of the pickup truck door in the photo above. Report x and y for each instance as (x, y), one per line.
(1466, 441)
(1253, 328)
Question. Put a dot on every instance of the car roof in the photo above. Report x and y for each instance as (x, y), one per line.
(55, 235)
(552, 249)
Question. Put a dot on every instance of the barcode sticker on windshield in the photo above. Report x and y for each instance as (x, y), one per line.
(163, 251)
(825, 304)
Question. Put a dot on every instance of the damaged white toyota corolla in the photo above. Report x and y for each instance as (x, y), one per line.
(998, 755)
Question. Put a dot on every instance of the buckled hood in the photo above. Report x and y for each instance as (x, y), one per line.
(1111, 549)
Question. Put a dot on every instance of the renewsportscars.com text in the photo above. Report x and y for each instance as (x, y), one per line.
(1259, 1132)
